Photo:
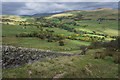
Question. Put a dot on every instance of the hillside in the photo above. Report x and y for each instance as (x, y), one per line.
(42, 14)
(92, 35)
(88, 22)
(94, 14)
(79, 66)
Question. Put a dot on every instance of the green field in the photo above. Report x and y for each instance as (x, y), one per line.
(42, 44)
(69, 29)
(60, 31)
(109, 27)
(12, 30)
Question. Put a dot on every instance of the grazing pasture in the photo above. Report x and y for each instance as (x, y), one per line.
(94, 32)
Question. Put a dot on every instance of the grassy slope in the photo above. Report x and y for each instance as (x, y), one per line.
(60, 31)
(9, 31)
(84, 66)
(93, 25)
(59, 15)
(42, 44)
(110, 28)
(12, 30)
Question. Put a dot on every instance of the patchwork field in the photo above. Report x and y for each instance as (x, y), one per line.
(70, 32)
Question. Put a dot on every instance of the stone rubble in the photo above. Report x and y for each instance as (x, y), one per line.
(17, 56)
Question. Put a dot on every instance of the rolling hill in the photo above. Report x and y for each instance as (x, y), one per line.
(70, 32)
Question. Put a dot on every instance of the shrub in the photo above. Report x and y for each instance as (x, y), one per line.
(61, 43)
(108, 52)
(99, 55)
(95, 45)
(7, 23)
(50, 40)
(117, 59)
(83, 47)
(102, 56)
(23, 35)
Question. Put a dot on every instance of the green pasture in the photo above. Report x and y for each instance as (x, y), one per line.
(60, 31)
(109, 27)
(94, 25)
(9, 32)
(12, 30)
(93, 35)
(79, 66)
(106, 27)
(78, 43)
(31, 42)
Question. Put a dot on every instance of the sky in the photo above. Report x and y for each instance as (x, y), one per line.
(10, 7)
(60, 0)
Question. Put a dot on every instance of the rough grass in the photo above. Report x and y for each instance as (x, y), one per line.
(82, 66)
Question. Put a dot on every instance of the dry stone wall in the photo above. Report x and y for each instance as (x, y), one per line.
(17, 56)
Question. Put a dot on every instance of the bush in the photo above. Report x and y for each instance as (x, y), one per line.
(61, 43)
(83, 47)
(23, 35)
(99, 55)
(95, 45)
(117, 59)
(50, 40)
(108, 52)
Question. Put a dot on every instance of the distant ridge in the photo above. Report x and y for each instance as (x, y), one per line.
(42, 14)
(53, 13)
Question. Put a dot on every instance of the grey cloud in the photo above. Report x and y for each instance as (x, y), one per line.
(11, 7)
(25, 8)
(60, 0)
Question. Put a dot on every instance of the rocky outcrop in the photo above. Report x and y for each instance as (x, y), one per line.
(17, 56)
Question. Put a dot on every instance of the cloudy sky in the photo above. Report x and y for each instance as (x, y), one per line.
(29, 8)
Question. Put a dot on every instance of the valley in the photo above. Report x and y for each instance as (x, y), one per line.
(70, 32)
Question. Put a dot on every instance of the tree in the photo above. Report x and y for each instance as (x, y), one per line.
(50, 40)
(61, 43)
(7, 23)
(69, 37)
(77, 34)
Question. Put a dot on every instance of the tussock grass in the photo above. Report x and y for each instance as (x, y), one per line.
(83, 66)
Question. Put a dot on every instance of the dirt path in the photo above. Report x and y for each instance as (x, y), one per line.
(59, 75)
(74, 52)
